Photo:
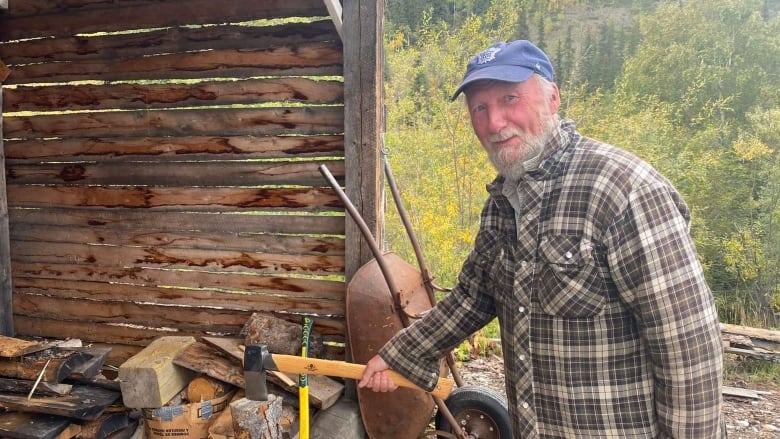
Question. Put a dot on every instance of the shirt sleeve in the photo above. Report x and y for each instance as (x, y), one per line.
(654, 265)
(416, 351)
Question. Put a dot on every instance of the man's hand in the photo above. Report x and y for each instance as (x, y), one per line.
(375, 378)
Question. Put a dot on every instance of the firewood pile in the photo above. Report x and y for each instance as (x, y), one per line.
(175, 387)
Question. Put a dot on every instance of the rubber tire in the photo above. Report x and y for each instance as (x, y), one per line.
(481, 399)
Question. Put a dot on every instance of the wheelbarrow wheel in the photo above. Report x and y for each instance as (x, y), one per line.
(480, 412)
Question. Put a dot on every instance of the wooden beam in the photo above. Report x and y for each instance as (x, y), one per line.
(6, 291)
(334, 9)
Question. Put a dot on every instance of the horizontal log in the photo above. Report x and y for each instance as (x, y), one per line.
(171, 95)
(199, 288)
(174, 148)
(209, 122)
(176, 258)
(129, 236)
(40, 18)
(174, 174)
(121, 312)
(168, 40)
(173, 221)
(127, 334)
(308, 59)
(177, 199)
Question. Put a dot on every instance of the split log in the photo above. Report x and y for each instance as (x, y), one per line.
(32, 426)
(83, 402)
(222, 427)
(765, 338)
(257, 419)
(202, 358)
(105, 425)
(323, 391)
(279, 335)
(14, 347)
(150, 378)
(205, 388)
(57, 368)
(10, 385)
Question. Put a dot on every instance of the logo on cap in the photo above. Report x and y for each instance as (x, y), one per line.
(487, 55)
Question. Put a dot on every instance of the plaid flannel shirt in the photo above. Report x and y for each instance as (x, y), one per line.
(608, 327)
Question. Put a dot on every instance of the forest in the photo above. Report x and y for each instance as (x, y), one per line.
(692, 87)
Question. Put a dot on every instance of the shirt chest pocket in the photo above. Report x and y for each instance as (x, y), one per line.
(571, 283)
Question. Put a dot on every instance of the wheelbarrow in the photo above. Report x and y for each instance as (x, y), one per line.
(383, 297)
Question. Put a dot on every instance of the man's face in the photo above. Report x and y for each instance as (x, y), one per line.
(513, 121)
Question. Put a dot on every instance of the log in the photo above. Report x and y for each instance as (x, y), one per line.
(150, 378)
(257, 419)
(279, 335)
(222, 427)
(205, 388)
(14, 347)
(199, 357)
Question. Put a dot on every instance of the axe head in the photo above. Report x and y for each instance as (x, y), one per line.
(255, 358)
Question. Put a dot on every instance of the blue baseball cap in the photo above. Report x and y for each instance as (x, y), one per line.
(508, 62)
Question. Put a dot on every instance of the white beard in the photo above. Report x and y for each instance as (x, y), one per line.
(512, 164)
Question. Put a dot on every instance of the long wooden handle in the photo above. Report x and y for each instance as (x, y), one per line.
(342, 369)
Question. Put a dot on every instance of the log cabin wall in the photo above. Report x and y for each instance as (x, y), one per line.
(162, 162)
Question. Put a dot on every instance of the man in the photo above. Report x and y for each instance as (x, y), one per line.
(608, 328)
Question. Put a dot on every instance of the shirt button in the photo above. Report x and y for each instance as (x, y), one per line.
(521, 357)
(525, 405)
(529, 217)
(568, 255)
(521, 309)
(523, 264)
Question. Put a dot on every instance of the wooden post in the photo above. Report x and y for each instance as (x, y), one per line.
(257, 419)
(6, 291)
(364, 121)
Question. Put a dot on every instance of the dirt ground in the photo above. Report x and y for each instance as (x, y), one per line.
(745, 418)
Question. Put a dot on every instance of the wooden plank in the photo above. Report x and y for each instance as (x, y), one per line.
(167, 41)
(178, 258)
(309, 59)
(364, 122)
(185, 198)
(78, 17)
(83, 402)
(14, 347)
(6, 287)
(268, 296)
(178, 148)
(151, 378)
(31, 426)
(226, 121)
(764, 334)
(171, 221)
(173, 174)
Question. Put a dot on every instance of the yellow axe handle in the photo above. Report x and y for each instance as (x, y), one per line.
(342, 369)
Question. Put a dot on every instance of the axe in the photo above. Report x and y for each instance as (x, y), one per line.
(258, 360)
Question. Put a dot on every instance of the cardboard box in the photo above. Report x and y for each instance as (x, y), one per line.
(190, 421)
